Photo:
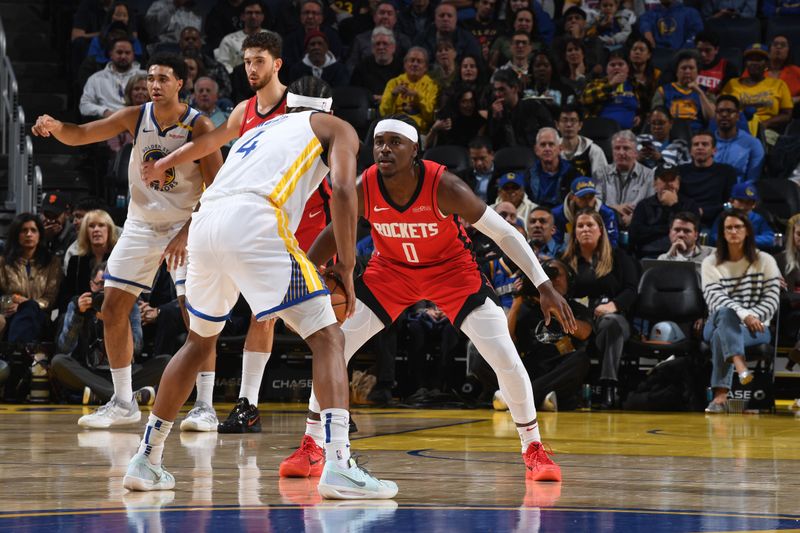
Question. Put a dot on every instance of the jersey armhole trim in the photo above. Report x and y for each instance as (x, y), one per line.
(435, 191)
(139, 122)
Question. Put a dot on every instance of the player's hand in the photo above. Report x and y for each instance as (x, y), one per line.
(345, 275)
(553, 304)
(175, 252)
(46, 125)
(151, 172)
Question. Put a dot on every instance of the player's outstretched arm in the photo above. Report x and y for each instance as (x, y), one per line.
(342, 144)
(455, 197)
(198, 148)
(210, 164)
(91, 132)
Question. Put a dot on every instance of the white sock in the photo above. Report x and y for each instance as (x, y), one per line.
(316, 430)
(123, 383)
(529, 434)
(205, 387)
(253, 364)
(155, 433)
(337, 437)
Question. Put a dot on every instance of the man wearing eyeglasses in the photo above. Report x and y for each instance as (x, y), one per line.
(736, 147)
(81, 367)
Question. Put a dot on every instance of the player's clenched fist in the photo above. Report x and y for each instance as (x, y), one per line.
(45, 125)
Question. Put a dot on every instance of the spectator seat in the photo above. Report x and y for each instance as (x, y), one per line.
(735, 32)
(352, 104)
(780, 198)
(600, 130)
(455, 158)
(788, 25)
(509, 159)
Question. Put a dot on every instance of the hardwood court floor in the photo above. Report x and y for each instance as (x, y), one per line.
(458, 470)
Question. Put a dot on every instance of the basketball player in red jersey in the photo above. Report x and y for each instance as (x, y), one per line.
(262, 61)
(422, 252)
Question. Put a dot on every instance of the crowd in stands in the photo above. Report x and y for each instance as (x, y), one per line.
(643, 136)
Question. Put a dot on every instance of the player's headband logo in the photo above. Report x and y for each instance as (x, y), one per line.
(397, 126)
(311, 102)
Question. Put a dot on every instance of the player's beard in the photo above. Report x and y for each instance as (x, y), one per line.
(261, 82)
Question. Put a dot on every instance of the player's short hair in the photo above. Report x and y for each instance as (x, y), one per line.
(265, 40)
(310, 86)
(173, 61)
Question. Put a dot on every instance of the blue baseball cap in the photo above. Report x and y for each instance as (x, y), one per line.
(744, 191)
(581, 186)
(756, 49)
(511, 177)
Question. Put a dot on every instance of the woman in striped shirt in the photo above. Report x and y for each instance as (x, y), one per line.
(741, 287)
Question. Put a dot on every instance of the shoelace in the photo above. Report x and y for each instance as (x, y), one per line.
(359, 461)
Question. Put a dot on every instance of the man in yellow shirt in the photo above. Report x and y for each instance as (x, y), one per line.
(770, 96)
(413, 92)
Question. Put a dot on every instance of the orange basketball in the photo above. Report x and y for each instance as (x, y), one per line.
(338, 296)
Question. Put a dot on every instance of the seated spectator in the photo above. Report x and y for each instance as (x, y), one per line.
(29, 279)
(383, 64)
(136, 94)
(582, 196)
(103, 94)
(445, 26)
(165, 19)
(500, 272)
(81, 366)
(769, 96)
(413, 92)
(741, 289)
(541, 26)
(443, 70)
(735, 147)
(522, 22)
(541, 228)
(481, 158)
(671, 25)
(614, 96)
(320, 62)
(88, 19)
(484, 27)
(625, 182)
(712, 9)
(229, 51)
(789, 265)
(684, 97)
(782, 67)
(458, 121)
(575, 27)
(645, 75)
(511, 189)
(96, 238)
(607, 277)
(513, 121)
(194, 69)
(519, 61)
(613, 25)
(771, 8)
(683, 233)
(385, 16)
(549, 178)
(79, 210)
(586, 157)
(206, 97)
(744, 197)
(311, 19)
(545, 86)
(119, 17)
(650, 224)
(574, 70)
(58, 234)
(704, 181)
(416, 18)
(656, 148)
(557, 368)
(471, 71)
(715, 70)
(191, 42)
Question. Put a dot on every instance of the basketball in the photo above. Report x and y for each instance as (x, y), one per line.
(338, 296)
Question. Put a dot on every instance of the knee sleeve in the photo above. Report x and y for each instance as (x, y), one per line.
(487, 328)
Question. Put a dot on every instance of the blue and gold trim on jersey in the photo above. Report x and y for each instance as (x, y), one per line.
(305, 269)
(296, 170)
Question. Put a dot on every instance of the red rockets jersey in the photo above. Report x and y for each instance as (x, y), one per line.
(316, 214)
(417, 234)
(253, 118)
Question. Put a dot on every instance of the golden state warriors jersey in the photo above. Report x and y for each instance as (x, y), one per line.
(173, 199)
(280, 160)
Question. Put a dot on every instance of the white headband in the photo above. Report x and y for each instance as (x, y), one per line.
(397, 126)
(311, 102)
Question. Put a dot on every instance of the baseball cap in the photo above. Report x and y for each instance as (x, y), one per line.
(744, 191)
(756, 49)
(666, 332)
(54, 203)
(575, 10)
(581, 186)
(511, 177)
(666, 172)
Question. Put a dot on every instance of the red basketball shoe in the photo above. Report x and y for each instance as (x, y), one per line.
(307, 461)
(539, 465)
